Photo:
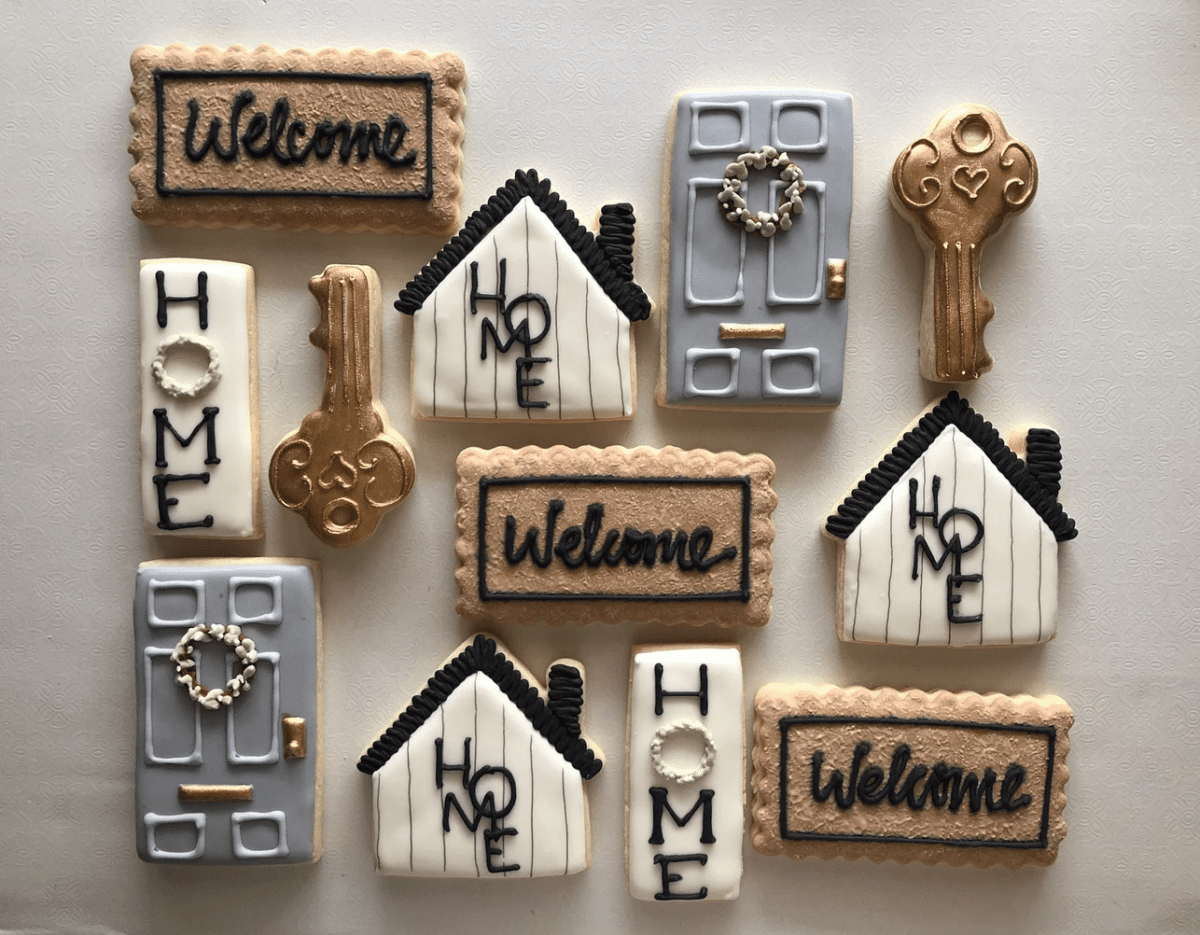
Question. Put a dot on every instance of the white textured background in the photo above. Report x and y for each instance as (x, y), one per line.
(1097, 288)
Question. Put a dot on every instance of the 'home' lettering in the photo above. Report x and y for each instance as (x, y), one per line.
(480, 807)
(519, 333)
(952, 547)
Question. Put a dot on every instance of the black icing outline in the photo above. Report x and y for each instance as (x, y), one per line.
(954, 410)
(483, 656)
(160, 185)
(1041, 842)
(742, 593)
(607, 257)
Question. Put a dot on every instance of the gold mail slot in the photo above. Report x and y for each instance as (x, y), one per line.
(730, 331)
(199, 792)
(295, 738)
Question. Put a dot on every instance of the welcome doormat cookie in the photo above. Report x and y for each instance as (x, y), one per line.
(331, 140)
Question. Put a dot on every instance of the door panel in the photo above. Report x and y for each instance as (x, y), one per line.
(216, 786)
(768, 299)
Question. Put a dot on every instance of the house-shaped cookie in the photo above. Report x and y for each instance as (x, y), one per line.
(482, 775)
(526, 314)
(952, 539)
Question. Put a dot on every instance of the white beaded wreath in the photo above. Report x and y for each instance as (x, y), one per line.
(172, 387)
(185, 663)
(734, 205)
(682, 727)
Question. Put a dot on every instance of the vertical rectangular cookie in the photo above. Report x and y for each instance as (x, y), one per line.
(227, 657)
(685, 785)
(890, 775)
(759, 199)
(199, 380)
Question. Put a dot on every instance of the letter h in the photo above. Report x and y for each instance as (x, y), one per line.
(200, 298)
(660, 693)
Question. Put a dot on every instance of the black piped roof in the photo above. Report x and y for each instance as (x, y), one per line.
(954, 410)
(483, 656)
(613, 277)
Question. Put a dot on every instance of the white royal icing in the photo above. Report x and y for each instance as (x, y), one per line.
(718, 789)
(1017, 557)
(549, 814)
(588, 375)
(230, 495)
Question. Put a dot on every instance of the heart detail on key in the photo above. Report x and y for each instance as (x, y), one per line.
(339, 472)
(974, 180)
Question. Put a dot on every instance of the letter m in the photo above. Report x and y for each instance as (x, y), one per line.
(162, 425)
(658, 794)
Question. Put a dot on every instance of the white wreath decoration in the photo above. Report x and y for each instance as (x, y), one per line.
(185, 663)
(171, 386)
(734, 205)
(682, 727)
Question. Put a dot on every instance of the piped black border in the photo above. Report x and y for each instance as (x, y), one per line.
(482, 656)
(741, 593)
(160, 183)
(627, 295)
(953, 410)
(1041, 842)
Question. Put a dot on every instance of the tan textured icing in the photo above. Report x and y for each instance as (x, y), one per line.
(656, 501)
(376, 187)
(956, 837)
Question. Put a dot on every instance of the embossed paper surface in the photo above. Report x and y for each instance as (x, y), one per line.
(1096, 287)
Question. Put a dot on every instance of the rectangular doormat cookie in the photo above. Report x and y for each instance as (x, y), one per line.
(890, 775)
(615, 534)
(330, 140)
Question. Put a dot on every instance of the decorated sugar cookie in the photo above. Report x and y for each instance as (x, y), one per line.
(582, 535)
(952, 539)
(526, 315)
(888, 775)
(685, 785)
(482, 775)
(330, 140)
(345, 466)
(227, 655)
(957, 186)
(199, 382)
(759, 195)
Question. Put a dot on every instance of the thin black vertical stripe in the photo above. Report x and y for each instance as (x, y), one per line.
(408, 762)
(496, 356)
(435, 351)
(475, 744)
(557, 323)
(532, 806)
(1039, 539)
(617, 351)
(921, 565)
(1012, 568)
(588, 335)
(566, 825)
(953, 499)
(983, 550)
(442, 711)
(528, 412)
(504, 747)
(887, 620)
(466, 331)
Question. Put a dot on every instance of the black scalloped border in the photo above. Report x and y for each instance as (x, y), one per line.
(627, 295)
(953, 410)
(482, 656)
